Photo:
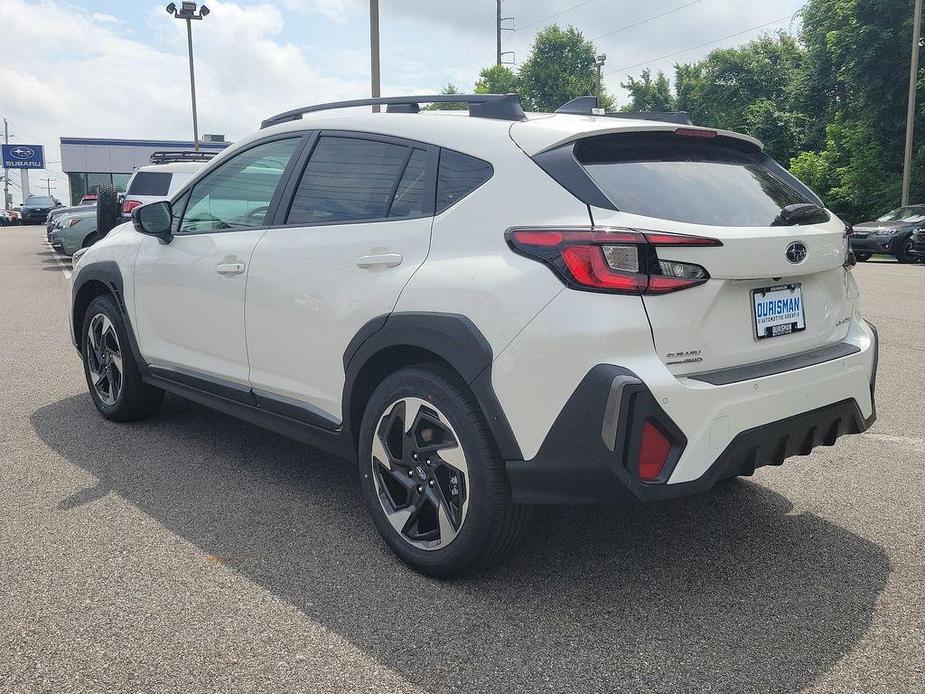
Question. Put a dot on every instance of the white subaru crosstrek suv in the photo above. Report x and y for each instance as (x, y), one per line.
(491, 310)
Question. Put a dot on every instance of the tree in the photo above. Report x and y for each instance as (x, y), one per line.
(497, 79)
(647, 94)
(560, 67)
(448, 88)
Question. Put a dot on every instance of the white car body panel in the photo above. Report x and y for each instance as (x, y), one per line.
(307, 297)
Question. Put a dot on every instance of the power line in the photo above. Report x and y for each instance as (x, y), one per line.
(553, 16)
(646, 20)
(702, 45)
(478, 36)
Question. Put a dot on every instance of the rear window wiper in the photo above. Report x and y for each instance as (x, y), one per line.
(800, 213)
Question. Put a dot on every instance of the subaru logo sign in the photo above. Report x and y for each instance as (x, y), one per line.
(796, 252)
(22, 152)
(23, 156)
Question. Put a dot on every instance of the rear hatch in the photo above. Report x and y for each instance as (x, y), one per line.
(777, 283)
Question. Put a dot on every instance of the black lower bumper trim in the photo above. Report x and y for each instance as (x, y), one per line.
(576, 464)
(771, 444)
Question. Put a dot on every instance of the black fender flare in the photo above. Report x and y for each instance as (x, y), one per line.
(106, 272)
(453, 338)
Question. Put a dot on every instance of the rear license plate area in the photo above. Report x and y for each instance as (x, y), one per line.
(778, 311)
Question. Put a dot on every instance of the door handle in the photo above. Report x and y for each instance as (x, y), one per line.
(230, 268)
(383, 259)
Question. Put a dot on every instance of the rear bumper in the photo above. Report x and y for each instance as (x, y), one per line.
(589, 454)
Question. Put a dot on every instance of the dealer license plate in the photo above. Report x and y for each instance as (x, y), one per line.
(778, 311)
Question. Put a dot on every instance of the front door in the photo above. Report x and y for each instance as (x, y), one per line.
(189, 293)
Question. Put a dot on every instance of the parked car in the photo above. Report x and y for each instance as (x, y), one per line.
(15, 215)
(58, 211)
(890, 234)
(35, 209)
(159, 181)
(6, 219)
(73, 231)
(490, 311)
(918, 244)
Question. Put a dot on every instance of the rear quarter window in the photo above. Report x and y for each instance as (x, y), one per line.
(150, 183)
(714, 181)
(459, 175)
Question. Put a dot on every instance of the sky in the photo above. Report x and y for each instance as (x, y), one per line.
(119, 68)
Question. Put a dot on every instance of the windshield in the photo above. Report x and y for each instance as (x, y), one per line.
(697, 180)
(39, 201)
(904, 214)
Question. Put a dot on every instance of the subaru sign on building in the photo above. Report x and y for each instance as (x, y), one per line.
(23, 156)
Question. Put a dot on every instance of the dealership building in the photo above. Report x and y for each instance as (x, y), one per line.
(90, 162)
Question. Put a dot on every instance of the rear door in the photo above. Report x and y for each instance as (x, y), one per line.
(355, 229)
(776, 287)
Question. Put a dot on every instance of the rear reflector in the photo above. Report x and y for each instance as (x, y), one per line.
(653, 452)
(621, 261)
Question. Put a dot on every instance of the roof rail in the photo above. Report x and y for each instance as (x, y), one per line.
(500, 106)
(587, 106)
(166, 157)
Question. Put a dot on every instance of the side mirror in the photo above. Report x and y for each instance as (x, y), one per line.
(154, 219)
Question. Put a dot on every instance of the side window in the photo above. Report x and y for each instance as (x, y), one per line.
(459, 175)
(349, 179)
(237, 194)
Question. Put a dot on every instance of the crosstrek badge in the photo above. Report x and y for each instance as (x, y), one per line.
(778, 311)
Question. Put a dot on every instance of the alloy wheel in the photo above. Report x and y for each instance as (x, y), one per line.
(104, 359)
(420, 473)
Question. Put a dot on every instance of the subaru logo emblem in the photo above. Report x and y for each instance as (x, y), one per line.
(22, 152)
(796, 252)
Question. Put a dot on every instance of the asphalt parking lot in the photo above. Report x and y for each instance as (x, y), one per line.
(195, 553)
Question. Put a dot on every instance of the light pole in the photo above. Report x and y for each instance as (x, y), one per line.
(188, 12)
(374, 51)
(598, 64)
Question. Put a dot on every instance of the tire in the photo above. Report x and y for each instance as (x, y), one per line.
(862, 257)
(904, 251)
(119, 397)
(108, 212)
(90, 240)
(476, 524)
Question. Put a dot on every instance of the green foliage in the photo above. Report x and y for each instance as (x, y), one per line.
(497, 79)
(647, 94)
(448, 88)
(560, 67)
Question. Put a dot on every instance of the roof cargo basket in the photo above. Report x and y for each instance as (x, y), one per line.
(499, 106)
(587, 106)
(174, 157)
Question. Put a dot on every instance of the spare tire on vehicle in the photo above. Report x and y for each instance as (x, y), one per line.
(108, 212)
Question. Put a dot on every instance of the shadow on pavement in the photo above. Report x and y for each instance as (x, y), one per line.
(727, 592)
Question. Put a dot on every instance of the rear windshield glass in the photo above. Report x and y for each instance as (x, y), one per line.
(697, 180)
(37, 201)
(150, 183)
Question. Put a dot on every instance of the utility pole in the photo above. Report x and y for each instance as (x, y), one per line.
(374, 86)
(188, 12)
(598, 64)
(6, 171)
(498, 34)
(910, 114)
(47, 184)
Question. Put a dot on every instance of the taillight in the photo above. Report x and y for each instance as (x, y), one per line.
(622, 261)
(71, 222)
(653, 452)
(130, 205)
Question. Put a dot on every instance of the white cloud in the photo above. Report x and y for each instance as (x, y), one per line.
(105, 18)
(335, 10)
